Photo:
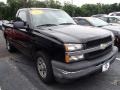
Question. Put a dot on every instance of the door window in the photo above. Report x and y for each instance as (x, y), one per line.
(83, 22)
(22, 16)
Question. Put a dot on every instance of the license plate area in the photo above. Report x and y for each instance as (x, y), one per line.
(105, 66)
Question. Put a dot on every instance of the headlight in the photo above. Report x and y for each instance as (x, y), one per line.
(69, 58)
(71, 48)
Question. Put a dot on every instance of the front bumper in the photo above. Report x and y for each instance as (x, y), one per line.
(82, 68)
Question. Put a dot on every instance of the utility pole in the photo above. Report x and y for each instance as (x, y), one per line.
(72, 2)
(73, 8)
(25, 3)
(46, 1)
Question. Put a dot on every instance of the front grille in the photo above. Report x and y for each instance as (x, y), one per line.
(95, 54)
(94, 43)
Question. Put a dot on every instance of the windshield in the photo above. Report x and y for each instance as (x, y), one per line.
(50, 17)
(97, 22)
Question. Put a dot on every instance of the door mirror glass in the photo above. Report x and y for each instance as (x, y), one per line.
(19, 24)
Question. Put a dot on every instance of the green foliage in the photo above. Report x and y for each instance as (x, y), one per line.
(2, 5)
(69, 8)
(8, 11)
(54, 4)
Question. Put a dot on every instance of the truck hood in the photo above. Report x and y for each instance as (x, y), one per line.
(114, 28)
(76, 33)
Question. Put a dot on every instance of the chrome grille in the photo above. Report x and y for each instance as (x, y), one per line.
(95, 43)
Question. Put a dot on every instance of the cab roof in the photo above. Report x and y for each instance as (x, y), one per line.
(39, 8)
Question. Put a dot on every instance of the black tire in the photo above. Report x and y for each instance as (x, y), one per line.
(9, 46)
(47, 66)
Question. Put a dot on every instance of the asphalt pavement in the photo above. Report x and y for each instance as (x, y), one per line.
(18, 72)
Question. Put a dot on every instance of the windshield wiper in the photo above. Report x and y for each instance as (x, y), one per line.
(67, 24)
(46, 25)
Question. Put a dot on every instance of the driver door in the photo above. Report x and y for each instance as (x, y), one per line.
(21, 37)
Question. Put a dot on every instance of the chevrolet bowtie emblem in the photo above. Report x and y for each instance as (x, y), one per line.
(103, 46)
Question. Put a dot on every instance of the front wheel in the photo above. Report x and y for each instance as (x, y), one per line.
(44, 67)
(9, 46)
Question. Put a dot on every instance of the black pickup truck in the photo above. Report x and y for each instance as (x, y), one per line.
(62, 49)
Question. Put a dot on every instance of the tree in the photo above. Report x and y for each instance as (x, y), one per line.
(8, 11)
(69, 8)
(54, 4)
(35, 3)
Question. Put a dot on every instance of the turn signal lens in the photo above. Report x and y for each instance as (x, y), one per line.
(67, 58)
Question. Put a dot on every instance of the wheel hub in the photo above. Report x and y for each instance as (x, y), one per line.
(41, 67)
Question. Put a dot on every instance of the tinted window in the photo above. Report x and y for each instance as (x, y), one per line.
(22, 16)
(112, 20)
(83, 22)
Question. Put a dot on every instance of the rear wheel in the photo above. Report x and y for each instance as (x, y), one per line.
(44, 67)
(9, 46)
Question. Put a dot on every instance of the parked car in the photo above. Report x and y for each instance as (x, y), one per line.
(62, 50)
(0, 24)
(98, 15)
(5, 21)
(115, 20)
(114, 14)
(96, 22)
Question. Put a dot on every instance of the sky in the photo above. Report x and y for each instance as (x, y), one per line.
(81, 2)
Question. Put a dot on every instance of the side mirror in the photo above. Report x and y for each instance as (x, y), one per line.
(19, 24)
